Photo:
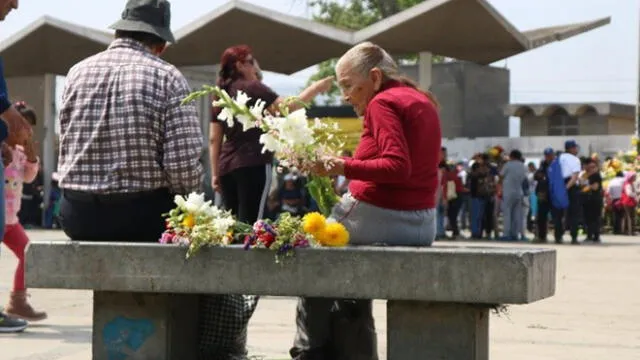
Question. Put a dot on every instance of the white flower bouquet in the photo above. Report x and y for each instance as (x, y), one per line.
(195, 223)
(296, 141)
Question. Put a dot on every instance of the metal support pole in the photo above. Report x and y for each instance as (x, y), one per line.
(48, 142)
(425, 67)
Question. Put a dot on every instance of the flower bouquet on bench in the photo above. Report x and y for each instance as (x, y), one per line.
(196, 223)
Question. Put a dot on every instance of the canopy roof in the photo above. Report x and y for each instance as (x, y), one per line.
(282, 43)
(470, 30)
(51, 46)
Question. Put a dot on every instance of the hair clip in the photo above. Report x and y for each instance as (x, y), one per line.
(20, 104)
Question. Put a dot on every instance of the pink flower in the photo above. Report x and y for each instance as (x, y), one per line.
(167, 237)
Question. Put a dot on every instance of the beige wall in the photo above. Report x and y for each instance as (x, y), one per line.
(30, 90)
(620, 126)
(593, 125)
(534, 126)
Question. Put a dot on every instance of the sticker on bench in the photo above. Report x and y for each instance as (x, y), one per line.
(123, 337)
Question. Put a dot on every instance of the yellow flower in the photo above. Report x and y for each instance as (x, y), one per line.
(634, 141)
(189, 221)
(313, 223)
(616, 164)
(494, 152)
(334, 235)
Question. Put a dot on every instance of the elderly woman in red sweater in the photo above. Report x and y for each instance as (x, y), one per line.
(392, 192)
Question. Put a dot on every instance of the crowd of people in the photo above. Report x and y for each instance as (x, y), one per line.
(498, 196)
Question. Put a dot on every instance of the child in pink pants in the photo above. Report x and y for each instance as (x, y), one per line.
(23, 168)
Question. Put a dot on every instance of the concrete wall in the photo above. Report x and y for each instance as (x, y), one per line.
(472, 98)
(31, 90)
(618, 125)
(532, 125)
(532, 147)
(593, 125)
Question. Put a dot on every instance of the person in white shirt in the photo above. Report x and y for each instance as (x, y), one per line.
(570, 167)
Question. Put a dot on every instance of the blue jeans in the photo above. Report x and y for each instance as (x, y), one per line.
(440, 230)
(478, 206)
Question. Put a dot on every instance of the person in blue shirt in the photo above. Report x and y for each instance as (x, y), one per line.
(14, 129)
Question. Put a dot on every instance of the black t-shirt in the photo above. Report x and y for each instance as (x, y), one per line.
(540, 176)
(595, 178)
(242, 148)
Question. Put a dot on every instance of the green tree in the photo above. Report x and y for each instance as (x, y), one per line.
(355, 15)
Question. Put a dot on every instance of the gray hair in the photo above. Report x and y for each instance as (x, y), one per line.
(367, 55)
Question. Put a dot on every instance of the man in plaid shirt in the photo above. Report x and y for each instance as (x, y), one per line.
(127, 142)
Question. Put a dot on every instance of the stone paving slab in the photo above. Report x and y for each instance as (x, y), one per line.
(595, 314)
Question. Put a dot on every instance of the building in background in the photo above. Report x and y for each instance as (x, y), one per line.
(574, 119)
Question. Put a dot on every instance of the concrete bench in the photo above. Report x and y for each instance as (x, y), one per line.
(438, 298)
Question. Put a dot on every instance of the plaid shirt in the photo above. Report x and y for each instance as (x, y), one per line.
(123, 128)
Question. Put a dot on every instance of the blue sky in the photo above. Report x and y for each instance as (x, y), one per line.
(598, 66)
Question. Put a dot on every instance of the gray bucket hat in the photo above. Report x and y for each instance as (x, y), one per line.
(148, 16)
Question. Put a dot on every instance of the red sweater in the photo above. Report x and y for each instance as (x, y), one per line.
(395, 166)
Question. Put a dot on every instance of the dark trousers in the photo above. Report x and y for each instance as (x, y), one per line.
(571, 216)
(453, 209)
(488, 221)
(330, 329)
(617, 215)
(593, 216)
(542, 219)
(117, 217)
(245, 192)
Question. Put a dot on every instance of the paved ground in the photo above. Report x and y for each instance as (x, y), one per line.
(595, 314)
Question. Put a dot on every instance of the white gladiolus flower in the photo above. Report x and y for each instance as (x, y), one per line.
(295, 129)
(270, 143)
(226, 115)
(257, 109)
(246, 121)
(242, 99)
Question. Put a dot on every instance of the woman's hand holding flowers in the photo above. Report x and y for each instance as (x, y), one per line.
(329, 166)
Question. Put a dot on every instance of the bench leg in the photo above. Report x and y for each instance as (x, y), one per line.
(419, 330)
(144, 326)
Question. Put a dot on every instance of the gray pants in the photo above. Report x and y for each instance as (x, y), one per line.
(512, 216)
(342, 329)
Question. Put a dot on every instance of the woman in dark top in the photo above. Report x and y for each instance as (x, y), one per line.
(239, 168)
(593, 201)
(242, 173)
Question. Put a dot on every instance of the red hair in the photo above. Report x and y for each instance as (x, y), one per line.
(228, 61)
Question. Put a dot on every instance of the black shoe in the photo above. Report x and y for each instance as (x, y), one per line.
(11, 325)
